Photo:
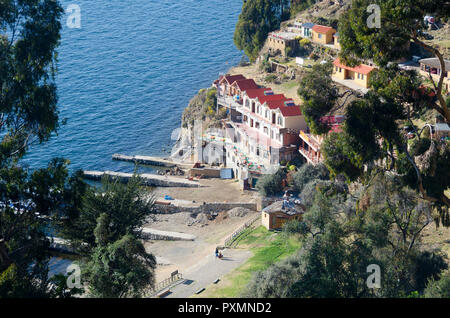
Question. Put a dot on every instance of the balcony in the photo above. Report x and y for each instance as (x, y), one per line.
(309, 156)
(228, 102)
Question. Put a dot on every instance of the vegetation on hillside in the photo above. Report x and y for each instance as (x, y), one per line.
(343, 234)
(103, 224)
(383, 188)
(258, 18)
(203, 107)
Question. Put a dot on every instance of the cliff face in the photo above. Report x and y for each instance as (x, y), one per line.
(201, 107)
(329, 9)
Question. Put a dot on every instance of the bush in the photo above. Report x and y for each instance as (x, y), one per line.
(270, 78)
(305, 42)
(439, 288)
(294, 227)
(307, 173)
(271, 184)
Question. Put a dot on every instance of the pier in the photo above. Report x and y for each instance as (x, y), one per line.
(148, 179)
(152, 161)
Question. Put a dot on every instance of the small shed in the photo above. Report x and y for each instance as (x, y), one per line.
(277, 214)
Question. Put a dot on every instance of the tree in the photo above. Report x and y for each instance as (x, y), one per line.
(106, 231)
(401, 22)
(439, 288)
(384, 228)
(372, 135)
(29, 35)
(320, 96)
(257, 19)
(107, 214)
(271, 184)
(119, 269)
(309, 172)
(28, 201)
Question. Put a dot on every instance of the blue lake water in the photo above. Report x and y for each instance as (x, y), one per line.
(127, 74)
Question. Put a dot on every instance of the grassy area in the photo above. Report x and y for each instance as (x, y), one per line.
(267, 247)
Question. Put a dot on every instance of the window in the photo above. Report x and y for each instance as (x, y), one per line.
(320, 36)
(362, 76)
(280, 121)
(359, 76)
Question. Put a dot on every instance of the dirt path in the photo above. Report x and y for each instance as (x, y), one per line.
(186, 255)
(213, 190)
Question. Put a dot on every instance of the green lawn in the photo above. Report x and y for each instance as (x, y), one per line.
(267, 247)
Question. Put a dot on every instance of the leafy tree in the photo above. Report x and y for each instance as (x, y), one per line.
(372, 134)
(271, 184)
(439, 288)
(29, 35)
(385, 228)
(106, 231)
(120, 268)
(257, 19)
(320, 96)
(401, 22)
(308, 173)
(108, 214)
(27, 202)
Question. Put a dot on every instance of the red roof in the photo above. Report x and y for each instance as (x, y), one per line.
(287, 111)
(232, 78)
(256, 93)
(362, 68)
(331, 120)
(246, 84)
(263, 99)
(322, 29)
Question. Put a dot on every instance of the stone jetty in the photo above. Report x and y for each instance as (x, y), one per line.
(152, 161)
(152, 180)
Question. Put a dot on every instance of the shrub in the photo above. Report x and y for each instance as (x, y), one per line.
(270, 78)
(271, 184)
(308, 173)
(294, 227)
(305, 42)
(439, 288)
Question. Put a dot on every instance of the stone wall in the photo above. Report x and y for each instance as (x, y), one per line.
(213, 207)
(205, 172)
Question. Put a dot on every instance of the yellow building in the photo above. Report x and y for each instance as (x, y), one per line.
(322, 34)
(337, 45)
(359, 75)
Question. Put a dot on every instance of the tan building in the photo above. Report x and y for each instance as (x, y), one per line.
(432, 67)
(337, 45)
(322, 34)
(359, 75)
(278, 42)
(277, 214)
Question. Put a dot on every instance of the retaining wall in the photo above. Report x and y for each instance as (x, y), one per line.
(213, 207)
